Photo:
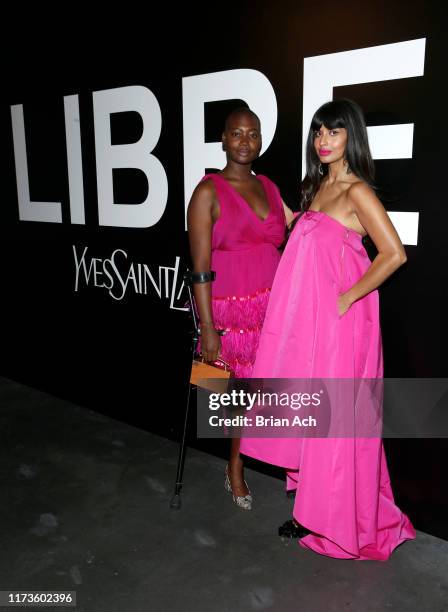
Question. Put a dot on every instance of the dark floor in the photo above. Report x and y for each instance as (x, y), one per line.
(86, 508)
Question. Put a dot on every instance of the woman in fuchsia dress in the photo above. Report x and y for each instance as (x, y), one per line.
(323, 322)
(236, 224)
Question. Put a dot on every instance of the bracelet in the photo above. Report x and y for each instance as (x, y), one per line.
(202, 277)
(204, 324)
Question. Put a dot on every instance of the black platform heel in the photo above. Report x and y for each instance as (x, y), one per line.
(293, 530)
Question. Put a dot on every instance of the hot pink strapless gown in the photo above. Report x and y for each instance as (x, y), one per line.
(343, 494)
(245, 257)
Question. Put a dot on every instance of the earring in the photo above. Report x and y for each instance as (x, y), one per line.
(348, 170)
(321, 171)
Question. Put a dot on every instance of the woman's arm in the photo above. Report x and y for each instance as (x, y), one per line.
(288, 214)
(200, 224)
(391, 254)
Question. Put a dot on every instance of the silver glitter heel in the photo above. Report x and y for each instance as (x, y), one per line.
(243, 502)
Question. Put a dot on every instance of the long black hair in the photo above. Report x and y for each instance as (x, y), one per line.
(341, 113)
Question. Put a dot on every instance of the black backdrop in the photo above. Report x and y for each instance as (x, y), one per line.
(129, 358)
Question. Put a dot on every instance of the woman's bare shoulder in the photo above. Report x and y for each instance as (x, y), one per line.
(206, 188)
(359, 189)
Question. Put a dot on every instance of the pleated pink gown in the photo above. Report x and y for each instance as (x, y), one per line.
(343, 494)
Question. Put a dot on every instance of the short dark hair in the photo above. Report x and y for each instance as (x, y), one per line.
(240, 110)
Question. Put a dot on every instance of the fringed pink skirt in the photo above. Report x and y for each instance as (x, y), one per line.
(242, 319)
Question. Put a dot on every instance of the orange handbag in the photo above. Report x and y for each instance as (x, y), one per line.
(212, 376)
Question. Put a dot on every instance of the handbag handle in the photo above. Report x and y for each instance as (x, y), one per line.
(226, 365)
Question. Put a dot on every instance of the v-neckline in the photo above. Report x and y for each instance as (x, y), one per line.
(246, 202)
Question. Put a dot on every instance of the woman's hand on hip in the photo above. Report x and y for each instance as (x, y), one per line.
(343, 304)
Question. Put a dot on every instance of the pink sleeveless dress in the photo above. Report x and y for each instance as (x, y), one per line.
(245, 256)
(343, 494)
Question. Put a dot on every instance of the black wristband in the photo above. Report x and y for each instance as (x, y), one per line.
(202, 277)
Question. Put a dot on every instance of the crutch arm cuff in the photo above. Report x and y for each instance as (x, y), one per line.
(200, 277)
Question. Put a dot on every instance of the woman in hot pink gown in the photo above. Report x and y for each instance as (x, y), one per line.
(322, 321)
(236, 225)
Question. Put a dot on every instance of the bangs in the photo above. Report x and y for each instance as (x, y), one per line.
(328, 115)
